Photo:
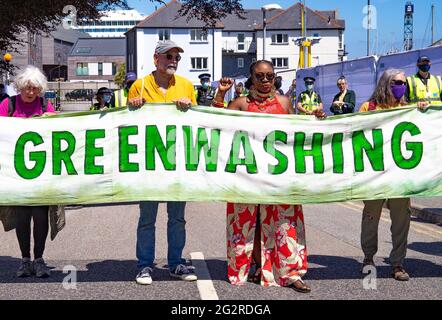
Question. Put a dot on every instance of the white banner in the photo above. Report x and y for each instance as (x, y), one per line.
(208, 154)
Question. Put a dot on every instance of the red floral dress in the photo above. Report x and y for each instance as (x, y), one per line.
(283, 246)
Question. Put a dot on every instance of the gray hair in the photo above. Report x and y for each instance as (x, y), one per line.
(31, 76)
(383, 94)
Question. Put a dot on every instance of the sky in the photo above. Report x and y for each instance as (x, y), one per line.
(387, 36)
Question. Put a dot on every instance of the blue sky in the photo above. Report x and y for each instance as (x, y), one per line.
(390, 21)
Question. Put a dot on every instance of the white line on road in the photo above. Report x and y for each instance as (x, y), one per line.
(204, 282)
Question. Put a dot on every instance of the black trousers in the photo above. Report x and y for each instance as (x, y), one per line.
(23, 230)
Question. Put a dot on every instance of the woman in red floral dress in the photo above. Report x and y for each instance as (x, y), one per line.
(274, 235)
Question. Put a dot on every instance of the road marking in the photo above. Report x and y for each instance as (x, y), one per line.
(429, 231)
(204, 282)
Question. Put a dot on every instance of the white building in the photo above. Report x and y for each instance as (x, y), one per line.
(229, 48)
(114, 23)
(284, 28)
(202, 50)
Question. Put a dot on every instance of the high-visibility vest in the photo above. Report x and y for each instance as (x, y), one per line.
(309, 103)
(421, 92)
(121, 98)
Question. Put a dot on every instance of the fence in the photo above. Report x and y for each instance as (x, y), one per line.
(363, 74)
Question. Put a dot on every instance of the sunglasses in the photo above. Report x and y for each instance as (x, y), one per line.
(171, 56)
(269, 76)
(398, 82)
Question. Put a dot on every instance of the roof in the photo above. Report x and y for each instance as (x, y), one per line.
(253, 19)
(99, 47)
(283, 19)
(167, 17)
(290, 19)
(68, 35)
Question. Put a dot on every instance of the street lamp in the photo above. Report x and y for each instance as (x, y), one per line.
(7, 58)
(267, 7)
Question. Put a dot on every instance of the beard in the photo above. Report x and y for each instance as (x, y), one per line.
(171, 70)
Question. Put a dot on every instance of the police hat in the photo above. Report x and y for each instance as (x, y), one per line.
(423, 59)
(309, 80)
(204, 76)
(104, 90)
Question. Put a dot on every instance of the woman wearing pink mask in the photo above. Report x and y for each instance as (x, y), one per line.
(389, 94)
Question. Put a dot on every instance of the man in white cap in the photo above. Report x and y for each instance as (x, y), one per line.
(163, 85)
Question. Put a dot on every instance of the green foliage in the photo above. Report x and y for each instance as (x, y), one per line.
(120, 75)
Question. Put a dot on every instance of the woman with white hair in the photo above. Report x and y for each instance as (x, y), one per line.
(31, 84)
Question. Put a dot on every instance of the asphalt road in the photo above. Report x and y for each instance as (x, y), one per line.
(99, 242)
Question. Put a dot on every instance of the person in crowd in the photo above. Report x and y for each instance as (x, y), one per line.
(309, 101)
(205, 93)
(3, 94)
(31, 85)
(278, 85)
(345, 100)
(389, 93)
(291, 92)
(103, 96)
(424, 88)
(119, 97)
(240, 90)
(277, 263)
(163, 85)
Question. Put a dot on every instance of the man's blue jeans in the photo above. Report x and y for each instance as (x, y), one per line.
(176, 233)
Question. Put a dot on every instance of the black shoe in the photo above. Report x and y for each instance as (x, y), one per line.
(300, 286)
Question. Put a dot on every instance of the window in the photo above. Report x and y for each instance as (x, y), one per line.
(240, 62)
(315, 35)
(114, 68)
(280, 38)
(100, 68)
(83, 49)
(241, 38)
(280, 62)
(199, 63)
(198, 35)
(82, 69)
(163, 34)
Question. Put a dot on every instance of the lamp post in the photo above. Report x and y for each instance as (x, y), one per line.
(7, 58)
(267, 7)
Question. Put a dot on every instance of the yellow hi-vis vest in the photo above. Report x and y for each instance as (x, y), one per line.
(121, 98)
(419, 92)
(309, 103)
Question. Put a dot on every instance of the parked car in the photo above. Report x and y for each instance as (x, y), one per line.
(80, 94)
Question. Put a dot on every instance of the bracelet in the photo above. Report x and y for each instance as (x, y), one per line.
(217, 104)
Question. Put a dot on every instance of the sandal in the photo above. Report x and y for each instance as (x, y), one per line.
(255, 277)
(300, 286)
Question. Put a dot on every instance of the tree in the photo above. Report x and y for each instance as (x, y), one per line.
(42, 16)
(120, 75)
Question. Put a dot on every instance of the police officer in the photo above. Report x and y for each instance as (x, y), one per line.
(424, 88)
(309, 102)
(119, 98)
(104, 96)
(206, 92)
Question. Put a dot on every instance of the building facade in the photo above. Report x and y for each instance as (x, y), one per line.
(113, 24)
(96, 59)
(230, 48)
(202, 48)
